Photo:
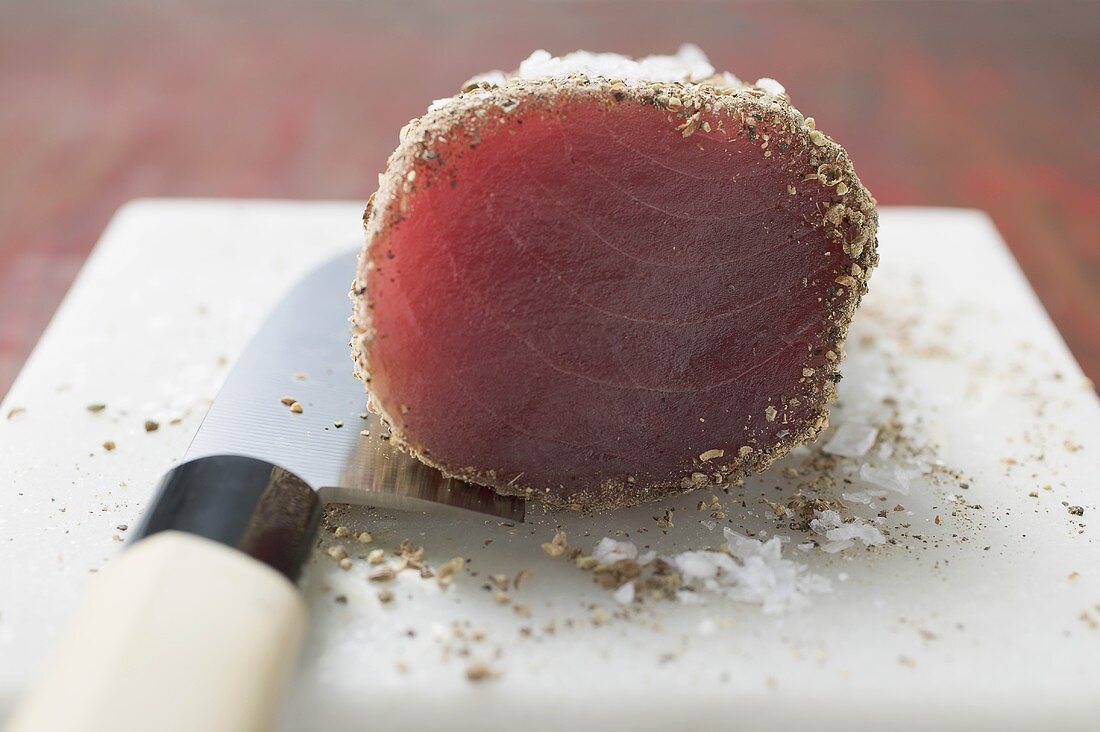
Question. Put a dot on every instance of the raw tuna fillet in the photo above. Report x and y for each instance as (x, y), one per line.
(610, 282)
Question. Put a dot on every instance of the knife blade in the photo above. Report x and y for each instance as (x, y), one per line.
(301, 353)
(198, 623)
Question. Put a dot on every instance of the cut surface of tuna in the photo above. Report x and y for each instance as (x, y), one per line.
(601, 291)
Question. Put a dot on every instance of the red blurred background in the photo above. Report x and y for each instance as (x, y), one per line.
(991, 105)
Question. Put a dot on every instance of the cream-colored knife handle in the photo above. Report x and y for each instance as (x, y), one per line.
(177, 634)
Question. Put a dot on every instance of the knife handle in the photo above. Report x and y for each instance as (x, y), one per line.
(196, 627)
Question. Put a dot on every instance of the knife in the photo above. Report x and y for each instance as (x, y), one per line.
(196, 626)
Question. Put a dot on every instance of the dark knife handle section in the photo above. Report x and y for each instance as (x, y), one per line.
(260, 509)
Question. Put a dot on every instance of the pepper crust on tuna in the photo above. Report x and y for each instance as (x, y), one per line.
(599, 293)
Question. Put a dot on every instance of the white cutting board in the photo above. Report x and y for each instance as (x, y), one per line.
(987, 621)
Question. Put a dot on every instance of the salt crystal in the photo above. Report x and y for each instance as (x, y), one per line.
(771, 86)
(646, 557)
(745, 548)
(775, 585)
(825, 521)
(763, 577)
(851, 439)
(609, 551)
(856, 529)
(830, 525)
(709, 524)
(492, 78)
(689, 64)
(895, 478)
(702, 564)
(840, 534)
(731, 81)
(749, 570)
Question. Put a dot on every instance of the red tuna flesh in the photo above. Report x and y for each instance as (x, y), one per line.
(599, 295)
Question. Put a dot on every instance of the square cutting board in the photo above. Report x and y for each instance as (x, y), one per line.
(981, 613)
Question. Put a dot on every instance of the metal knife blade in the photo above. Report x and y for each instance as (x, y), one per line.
(301, 351)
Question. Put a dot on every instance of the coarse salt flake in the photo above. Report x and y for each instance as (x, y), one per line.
(771, 86)
(895, 478)
(609, 551)
(840, 534)
(746, 570)
(688, 64)
(851, 439)
(625, 594)
(695, 565)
